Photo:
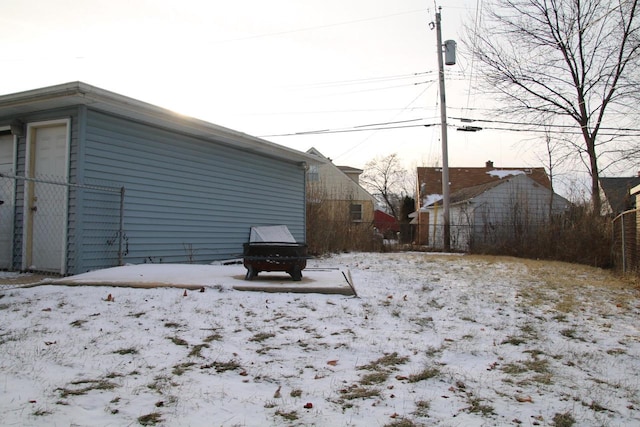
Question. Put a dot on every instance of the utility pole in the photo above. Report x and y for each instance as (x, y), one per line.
(446, 230)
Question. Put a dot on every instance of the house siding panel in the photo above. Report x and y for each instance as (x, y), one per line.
(209, 194)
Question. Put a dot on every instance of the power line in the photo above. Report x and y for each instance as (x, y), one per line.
(371, 135)
(361, 128)
(400, 124)
(365, 80)
(464, 119)
(319, 27)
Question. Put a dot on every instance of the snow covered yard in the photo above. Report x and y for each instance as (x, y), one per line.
(430, 340)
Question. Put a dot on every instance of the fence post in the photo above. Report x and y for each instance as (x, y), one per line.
(121, 230)
(624, 255)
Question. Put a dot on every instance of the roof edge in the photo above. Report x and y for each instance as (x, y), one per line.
(80, 93)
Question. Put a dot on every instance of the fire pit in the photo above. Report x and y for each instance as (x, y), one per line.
(273, 248)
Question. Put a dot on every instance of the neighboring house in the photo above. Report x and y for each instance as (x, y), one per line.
(338, 190)
(191, 189)
(617, 193)
(482, 202)
(386, 224)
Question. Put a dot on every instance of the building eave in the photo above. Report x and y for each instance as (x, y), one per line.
(82, 94)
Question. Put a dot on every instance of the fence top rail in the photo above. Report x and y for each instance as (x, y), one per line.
(621, 214)
(68, 184)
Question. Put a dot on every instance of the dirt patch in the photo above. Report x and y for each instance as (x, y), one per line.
(8, 279)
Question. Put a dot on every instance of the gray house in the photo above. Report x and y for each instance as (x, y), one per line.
(489, 211)
(91, 179)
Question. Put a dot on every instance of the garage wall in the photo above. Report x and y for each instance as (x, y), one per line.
(187, 199)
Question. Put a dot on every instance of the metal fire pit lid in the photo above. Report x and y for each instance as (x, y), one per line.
(271, 234)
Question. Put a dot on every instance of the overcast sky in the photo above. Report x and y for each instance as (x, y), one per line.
(270, 68)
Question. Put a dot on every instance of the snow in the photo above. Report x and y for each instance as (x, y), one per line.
(430, 200)
(505, 173)
(452, 341)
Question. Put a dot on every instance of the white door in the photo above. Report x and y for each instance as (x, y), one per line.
(46, 203)
(6, 198)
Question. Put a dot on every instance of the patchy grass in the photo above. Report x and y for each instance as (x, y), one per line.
(78, 323)
(262, 336)
(357, 392)
(289, 416)
(213, 337)
(403, 422)
(386, 361)
(477, 406)
(178, 341)
(150, 419)
(374, 378)
(181, 368)
(514, 340)
(161, 383)
(422, 408)
(196, 350)
(425, 374)
(83, 387)
(222, 366)
(123, 351)
(563, 420)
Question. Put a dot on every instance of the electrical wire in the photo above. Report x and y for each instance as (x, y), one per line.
(400, 124)
(318, 27)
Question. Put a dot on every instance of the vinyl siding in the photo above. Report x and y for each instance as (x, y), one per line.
(186, 199)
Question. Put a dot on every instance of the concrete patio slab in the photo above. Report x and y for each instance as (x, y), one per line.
(195, 276)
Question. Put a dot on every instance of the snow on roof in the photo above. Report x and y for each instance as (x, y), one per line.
(430, 199)
(504, 173)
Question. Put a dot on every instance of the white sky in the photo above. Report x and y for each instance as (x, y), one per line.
(269, 68)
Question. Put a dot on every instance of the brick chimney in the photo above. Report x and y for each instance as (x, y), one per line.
(490, 164)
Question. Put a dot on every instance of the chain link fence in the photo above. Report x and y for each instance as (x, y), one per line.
(626, 251)
(47, 225)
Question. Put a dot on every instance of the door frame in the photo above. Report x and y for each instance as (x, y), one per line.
(27, 237)
(14, 157)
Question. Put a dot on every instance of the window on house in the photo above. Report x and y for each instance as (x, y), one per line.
(312, 174)
(356, 212)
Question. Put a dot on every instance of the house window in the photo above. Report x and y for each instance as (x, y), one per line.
(313, 174)
(356, 212)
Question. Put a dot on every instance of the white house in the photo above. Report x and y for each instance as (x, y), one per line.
(490, 210)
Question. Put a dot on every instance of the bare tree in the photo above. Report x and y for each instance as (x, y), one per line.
(386, 179)
(575, 60)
